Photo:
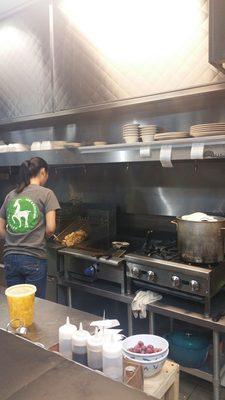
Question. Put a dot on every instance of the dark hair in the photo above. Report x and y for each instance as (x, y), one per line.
(30, 169)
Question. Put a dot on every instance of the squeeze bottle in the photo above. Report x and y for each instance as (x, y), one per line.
(94, 350)
(112, 358)
(79, 345)
(65, 339)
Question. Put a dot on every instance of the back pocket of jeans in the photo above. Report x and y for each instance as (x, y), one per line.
(31, 267)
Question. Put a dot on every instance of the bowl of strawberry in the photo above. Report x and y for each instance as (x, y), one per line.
(149, 351)
(140, 348)
(145, 347)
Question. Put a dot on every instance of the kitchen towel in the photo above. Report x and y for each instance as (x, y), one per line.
(141, 300)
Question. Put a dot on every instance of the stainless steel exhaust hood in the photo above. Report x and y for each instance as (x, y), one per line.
(217, 34)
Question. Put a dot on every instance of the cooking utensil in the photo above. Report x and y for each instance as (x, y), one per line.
(76, 225)
(201, 241)
(120, 245)
(147, 242)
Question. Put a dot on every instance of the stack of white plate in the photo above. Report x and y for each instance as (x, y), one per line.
(58, 144)
(48, 145)
(171, 135)
(72, 145)
(18, 147)
(131, 133)
(147, 132)
(99, 143)
(4, 148)
(213, 129)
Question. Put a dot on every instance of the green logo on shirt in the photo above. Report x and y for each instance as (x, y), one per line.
(22, 215)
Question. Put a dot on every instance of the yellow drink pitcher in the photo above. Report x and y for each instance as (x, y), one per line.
(21, 304)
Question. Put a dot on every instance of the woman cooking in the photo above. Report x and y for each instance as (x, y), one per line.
(28, 214)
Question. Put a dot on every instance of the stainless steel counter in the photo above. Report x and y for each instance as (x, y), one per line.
(48, 318)
(29, 372)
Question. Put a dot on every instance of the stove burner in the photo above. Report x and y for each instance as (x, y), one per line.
(166, 249)
(163, 250)
(160, 249)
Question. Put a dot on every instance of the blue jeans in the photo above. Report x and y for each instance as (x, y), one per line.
(21, 268)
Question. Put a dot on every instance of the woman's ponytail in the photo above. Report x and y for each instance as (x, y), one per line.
(24, 176)
(28, 170)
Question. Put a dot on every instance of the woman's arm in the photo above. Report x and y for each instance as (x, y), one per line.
(50, 218)
(2, 228)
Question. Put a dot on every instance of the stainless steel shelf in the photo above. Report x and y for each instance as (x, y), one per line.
(205, 372)
(102, 289)
(212, 148)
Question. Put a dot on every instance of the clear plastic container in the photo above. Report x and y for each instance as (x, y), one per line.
(112, 358)
(65, 339)
(94, 350)
(20, 300)
(79, 345)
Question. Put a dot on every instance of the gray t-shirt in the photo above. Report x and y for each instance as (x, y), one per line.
(25, 220)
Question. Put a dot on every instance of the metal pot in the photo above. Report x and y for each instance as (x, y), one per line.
(189, 349)
(202, 241)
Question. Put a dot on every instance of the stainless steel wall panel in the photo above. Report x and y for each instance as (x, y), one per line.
(25, 64)
(148, 189)
(86, 75)
(142, 189)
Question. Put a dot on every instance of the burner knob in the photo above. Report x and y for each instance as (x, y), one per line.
(135, 272)
(176, 282)
(151, 276)
(194, 285)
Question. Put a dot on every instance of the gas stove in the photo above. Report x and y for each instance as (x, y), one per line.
(157, 266)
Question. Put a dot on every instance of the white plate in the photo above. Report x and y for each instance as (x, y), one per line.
(98, 143)
(213, 126)
(148, 138)
(71, 145)
(148, 129)
(147, 133)
(130, 130)
(148, 126)
(131, 140)
(211, 133)
(130, 125)
(171, 135)
(4, 148)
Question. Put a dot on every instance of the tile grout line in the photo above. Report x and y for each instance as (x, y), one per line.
(195, 387)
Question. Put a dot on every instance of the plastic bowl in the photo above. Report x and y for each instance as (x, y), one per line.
(150, 367)
(131, 139)
(156, 341)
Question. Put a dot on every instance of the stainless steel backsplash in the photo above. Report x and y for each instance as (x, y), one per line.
(142, 191)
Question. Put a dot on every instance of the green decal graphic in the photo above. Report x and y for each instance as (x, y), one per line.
(22, 215)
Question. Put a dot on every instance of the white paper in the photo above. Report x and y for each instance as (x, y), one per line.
(145, 152)
(197, 151)
(165, 156)
(106, 323)
(111, 331)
